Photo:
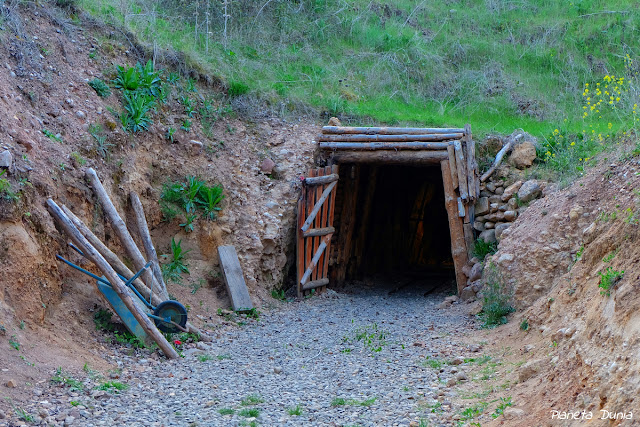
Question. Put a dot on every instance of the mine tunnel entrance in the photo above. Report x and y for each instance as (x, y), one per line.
(398, 225)
(391, 201)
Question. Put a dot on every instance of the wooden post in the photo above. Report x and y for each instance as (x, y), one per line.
(120, 227)
(458, 245)
(345, 130)
(150, 250)
(118, 285)
(462, 174)
(120, 266)
(390, 157)
(452, 165)
(347, 221)
(472, 164)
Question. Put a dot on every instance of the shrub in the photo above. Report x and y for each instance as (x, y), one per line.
(137, 105)
(175, 267)
(237, 89)
(481, 249)
(608, 279)
(496, 304)
(100, 87)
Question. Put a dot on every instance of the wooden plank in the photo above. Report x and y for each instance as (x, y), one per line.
(332, 205)
(389, 138)
(314, 232)
(347, 221)
(309, 201)
(410, 145)
(461, 210)
(452, 162)
(300, 246)
(458, 245)
(315, 284)
(390, 157)
(322, 222)
(462, 175)
(321, 179)
(340, 130)
(234, 279)
(472, 164)
(318, 206)
(314, 261)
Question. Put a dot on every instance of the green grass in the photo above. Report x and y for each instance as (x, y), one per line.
(113, 386)
(249, 413)
(496, 304)
(339, 401)
(205, 357)
(64, 379)
(226, 411)
(252, 399)
(496, 65)
(176, 266)
(481, 249)
(608, 279)
(295, 410)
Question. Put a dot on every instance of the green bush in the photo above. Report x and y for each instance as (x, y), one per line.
(191, 197)
(237, 89)
(481, 249)
(174, 269)
(100, 87)
(496, 304)
(608, 279)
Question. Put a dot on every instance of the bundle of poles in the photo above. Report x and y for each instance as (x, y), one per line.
(110, 264)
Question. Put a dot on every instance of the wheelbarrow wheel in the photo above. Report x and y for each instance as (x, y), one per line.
(172, 311)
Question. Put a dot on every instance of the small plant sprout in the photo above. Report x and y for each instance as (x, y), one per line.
(608, 279)
(176, 266)
(295, 411)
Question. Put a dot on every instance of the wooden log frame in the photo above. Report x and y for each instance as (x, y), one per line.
(118, 285)
(390, 138)
(451, 148)
(351, 185)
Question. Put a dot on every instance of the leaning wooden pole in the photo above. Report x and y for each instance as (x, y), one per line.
(458, 245)
(121, 268)
(120, 227)
(115, 281)
(150, 250)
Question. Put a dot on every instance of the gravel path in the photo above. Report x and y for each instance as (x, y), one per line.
(337, 360)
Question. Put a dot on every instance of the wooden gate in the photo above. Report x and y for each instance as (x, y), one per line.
(315, 228)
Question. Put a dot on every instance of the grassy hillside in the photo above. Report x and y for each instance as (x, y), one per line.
(497, 64)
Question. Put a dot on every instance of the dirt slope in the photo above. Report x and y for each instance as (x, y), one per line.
(580, 352)
(46, 60)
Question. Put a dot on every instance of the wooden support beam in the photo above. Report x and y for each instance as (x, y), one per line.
(462, 175)
(458, 244)
(315, 232)
(504, 150)
(341, 130)
(149, 249)
(120, 228)
(452, 163)
(321, 180)
(318, 206)
(389, 138)
(411, 145)
(390, 157)
(472, 165)
(351, 188)
(117, 284)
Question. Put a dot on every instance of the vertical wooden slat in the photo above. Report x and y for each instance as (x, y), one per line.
(472, 165)
(332, 206)
(366, 214)
(458, 245)
(321, 223)
(462, 174)
(452, 164)
(309, 203)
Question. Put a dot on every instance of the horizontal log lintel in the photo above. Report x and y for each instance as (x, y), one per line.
(411, 145)
(389, 138)
(390, 157)
(342, 130)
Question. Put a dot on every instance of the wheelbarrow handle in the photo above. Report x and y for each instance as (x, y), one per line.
(88, 273)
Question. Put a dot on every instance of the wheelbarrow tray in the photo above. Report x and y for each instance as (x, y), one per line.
(123, 312)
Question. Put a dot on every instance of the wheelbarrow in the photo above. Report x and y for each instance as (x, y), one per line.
(169, 316)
